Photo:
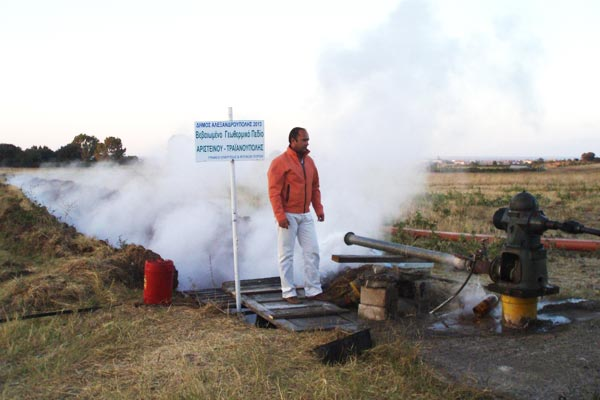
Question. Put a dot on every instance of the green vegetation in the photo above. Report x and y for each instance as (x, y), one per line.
(84, 148)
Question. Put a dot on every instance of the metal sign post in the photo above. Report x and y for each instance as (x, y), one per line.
(230, 141)
(236, 273)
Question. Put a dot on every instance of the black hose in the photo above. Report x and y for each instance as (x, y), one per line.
(54, 313)
(449, 299)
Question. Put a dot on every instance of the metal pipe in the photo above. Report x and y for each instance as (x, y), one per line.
(556, 243)
(397, 248)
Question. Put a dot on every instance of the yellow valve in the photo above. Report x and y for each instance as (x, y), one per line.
(517, 312)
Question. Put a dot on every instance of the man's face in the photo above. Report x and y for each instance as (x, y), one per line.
(301, 144)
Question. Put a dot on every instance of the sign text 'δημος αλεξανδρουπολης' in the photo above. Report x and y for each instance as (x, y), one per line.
(232, 140)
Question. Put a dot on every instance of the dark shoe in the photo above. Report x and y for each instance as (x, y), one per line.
(292, 300)
(321, 296)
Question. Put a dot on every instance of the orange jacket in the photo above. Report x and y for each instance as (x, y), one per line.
(293, 186)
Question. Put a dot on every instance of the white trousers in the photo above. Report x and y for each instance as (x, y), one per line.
(302, 226)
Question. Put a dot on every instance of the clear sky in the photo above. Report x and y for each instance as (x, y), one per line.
(492, 78)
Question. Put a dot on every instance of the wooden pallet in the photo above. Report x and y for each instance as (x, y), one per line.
(263, 297)
(401, 262)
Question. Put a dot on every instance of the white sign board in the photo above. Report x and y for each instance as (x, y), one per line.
(230, 140)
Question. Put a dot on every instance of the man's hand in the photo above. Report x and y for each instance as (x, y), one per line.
(321, 217)
(284, 224)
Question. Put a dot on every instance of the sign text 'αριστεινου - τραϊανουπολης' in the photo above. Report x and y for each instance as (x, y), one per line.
(229, 140)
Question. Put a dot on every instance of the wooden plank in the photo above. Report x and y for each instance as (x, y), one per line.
(256, 306)
(230, 285)
(205, 293)
(306, 304)
(202, 291)
(261, 309)
(263, 297)
(323, 323)
(307, 311)
(303, 313)
(398, 261)
(259, 289)
(285, 324)
(250, 289)
(258, 286)
(264, 312)
(210, 296)
(270, 297)
(272, 280)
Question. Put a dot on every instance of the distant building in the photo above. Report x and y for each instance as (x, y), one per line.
(519, 167)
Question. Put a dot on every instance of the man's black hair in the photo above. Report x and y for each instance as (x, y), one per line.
(294, 133)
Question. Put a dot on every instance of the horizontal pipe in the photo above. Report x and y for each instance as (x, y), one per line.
(397, 248)
(571, 244)
(556, 243)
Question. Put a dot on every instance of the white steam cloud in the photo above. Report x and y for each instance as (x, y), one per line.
(384, 102)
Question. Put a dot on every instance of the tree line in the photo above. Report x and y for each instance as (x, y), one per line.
(589, 157)
(84, 148)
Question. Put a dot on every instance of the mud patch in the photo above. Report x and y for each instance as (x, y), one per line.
(555, 357)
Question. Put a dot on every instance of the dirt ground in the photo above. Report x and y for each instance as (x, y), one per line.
(557, 358)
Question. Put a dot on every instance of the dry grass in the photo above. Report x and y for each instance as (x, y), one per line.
(467, 202)
(166, 353)
(128, 352)
(45, 265)
(179, 352)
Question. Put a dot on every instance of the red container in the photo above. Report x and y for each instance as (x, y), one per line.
(158, 281)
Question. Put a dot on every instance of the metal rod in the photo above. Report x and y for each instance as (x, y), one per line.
(238, 298)
(397, 248)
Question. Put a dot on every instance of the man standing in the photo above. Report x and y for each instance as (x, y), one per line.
(293, 186)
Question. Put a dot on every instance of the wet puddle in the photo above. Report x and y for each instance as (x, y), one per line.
(551, 315)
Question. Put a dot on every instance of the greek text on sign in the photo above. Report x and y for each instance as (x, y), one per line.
(230, 140)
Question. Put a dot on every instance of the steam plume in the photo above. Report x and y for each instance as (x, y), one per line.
(384, 104)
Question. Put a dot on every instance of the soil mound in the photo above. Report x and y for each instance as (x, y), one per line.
(46, 264)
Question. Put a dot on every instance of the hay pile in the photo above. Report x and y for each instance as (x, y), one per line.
(47, 265)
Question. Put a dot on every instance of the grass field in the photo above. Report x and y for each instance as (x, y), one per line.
(467, 202)
(124, 351)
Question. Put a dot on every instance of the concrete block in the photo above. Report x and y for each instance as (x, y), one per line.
(374, 296)
(372, 312)
(376, 283)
